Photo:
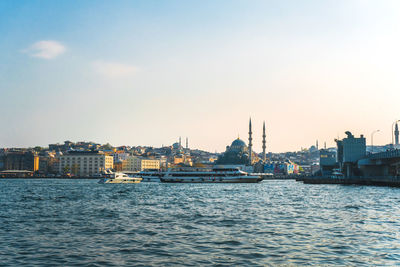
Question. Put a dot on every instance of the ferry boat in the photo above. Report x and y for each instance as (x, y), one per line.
(216, 175)
(151, 175)
(120, 178)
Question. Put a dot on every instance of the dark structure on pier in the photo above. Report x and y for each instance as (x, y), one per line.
(349, 151)
(353, 161)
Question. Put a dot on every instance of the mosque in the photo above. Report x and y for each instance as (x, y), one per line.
(239, 153)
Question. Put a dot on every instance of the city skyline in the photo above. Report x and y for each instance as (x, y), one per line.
(147, 72)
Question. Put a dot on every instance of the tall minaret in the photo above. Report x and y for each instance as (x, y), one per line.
(316, 144)
(396, 134)
(263, 143)
(250, 143)
(180, 142)
(187, 145)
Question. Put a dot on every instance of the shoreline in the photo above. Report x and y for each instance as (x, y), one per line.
(64, 178)
(371, 181)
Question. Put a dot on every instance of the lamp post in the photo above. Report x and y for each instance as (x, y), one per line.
(393, 130)
(372, 140)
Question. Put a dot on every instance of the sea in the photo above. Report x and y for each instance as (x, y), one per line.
(66, 222)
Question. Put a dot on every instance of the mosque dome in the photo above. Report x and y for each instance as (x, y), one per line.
(175, 145)
(238, 143)
(235, 154)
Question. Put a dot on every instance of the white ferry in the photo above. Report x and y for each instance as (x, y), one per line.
(120, 178)
(151, 175)
(216, 175)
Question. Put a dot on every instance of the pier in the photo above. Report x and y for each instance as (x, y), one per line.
(373, 181)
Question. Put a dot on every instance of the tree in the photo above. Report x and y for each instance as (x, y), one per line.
(107, 147)
(66, 169)
(37, 148)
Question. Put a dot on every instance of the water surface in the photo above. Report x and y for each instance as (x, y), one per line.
(48, 222)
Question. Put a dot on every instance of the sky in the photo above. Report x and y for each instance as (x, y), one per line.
(146, 72)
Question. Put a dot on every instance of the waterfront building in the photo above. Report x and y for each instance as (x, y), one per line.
(118, 166)
(281, 168)
(85, 163)
(120, 156)
(349, 151)
(53, 164)
(182, 159)
(163, 162)
(352, 148)
(21, 160)
(135, 163)
(309, 169)
(327, 161)
(44, 164)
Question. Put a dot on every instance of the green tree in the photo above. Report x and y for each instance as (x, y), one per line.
(107, 147)
(66, 169)
(38, 148)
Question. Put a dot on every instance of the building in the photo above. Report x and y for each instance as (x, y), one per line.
(353, 148)
(349, 151)
(236, 153)
(239, 153)
(118, 166)
(281, 168)
(134, 163)
(21, 160)
(327, 161)
(120, 156)
(84, 163)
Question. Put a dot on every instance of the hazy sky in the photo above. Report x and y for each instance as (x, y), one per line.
(147, 72)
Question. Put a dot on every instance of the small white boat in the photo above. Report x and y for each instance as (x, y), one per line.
(120, 178)
(336, 174)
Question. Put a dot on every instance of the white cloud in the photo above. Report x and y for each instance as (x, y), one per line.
(114, 69)
(46, 49)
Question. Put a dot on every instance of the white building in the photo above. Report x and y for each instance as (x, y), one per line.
(134, 163)
(85, 163)
(120, 156)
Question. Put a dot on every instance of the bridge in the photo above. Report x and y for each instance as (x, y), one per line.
(385, 164)
(395, 153)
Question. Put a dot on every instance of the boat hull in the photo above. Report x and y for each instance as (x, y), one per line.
(120, 181)
(248, 179)
(117, 181)
(151, 179)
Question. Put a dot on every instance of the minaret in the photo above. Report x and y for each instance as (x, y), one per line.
(316, 144)
(396, 134)
(187, 145)
(263, 143)
(180, 142)
(250, 143)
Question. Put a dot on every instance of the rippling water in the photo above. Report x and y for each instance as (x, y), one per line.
(79, 222)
